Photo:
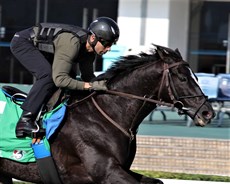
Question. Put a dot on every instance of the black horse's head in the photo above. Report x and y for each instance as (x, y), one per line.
(164, 77)
(183, 89)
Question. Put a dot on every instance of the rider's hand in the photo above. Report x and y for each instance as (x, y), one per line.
(98, 85)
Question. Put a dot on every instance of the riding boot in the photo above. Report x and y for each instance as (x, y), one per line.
(26, 125)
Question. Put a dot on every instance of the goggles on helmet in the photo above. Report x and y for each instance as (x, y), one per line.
(105, 43)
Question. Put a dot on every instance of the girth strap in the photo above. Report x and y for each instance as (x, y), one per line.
(48, 171)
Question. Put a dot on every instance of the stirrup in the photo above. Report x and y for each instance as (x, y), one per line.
(39, 134)
(38, 128)
(23, 133)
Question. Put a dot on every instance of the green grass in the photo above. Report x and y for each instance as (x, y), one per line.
(183, 176)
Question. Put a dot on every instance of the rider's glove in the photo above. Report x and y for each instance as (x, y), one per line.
(98, 85)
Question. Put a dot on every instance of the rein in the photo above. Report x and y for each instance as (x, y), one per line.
(128, 95)
(165, 79)
(130, 135)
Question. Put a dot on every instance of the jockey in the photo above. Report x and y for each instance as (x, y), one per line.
(50, 53)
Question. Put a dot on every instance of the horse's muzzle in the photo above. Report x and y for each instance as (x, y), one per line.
(204, 115)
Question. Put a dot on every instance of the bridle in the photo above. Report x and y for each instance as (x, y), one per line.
(167, 82)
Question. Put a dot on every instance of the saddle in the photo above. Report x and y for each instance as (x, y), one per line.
(14, 93)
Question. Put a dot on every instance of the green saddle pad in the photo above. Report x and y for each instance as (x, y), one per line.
(20, 149)
(12, 147)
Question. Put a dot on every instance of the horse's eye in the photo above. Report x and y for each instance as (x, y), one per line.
(183, 79)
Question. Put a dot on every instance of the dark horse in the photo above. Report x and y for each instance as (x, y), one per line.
(97, 140)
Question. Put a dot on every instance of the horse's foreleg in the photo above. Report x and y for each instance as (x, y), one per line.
(144, 179)
(117, 175)
(5, 180)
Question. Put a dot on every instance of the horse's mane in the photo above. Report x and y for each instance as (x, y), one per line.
(128, 63)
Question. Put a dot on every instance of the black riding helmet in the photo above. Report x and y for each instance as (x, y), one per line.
(106, 31)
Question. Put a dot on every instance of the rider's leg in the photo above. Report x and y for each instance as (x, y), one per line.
(38, 95)
(26, 124)
(35, 62)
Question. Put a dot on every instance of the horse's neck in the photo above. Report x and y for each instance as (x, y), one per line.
(142, 82)
(127, 110)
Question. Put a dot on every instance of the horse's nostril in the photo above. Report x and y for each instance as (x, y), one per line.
(207, 115)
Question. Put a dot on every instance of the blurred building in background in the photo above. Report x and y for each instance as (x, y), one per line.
(199, 28)
(16, 15)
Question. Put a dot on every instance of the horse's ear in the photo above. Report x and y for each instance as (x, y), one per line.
(160, 53)
(178, 52)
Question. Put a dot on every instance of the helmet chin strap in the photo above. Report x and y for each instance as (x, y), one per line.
(93, 44)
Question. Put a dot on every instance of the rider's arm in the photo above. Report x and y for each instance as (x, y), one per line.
(67, 47)
(86, 67)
